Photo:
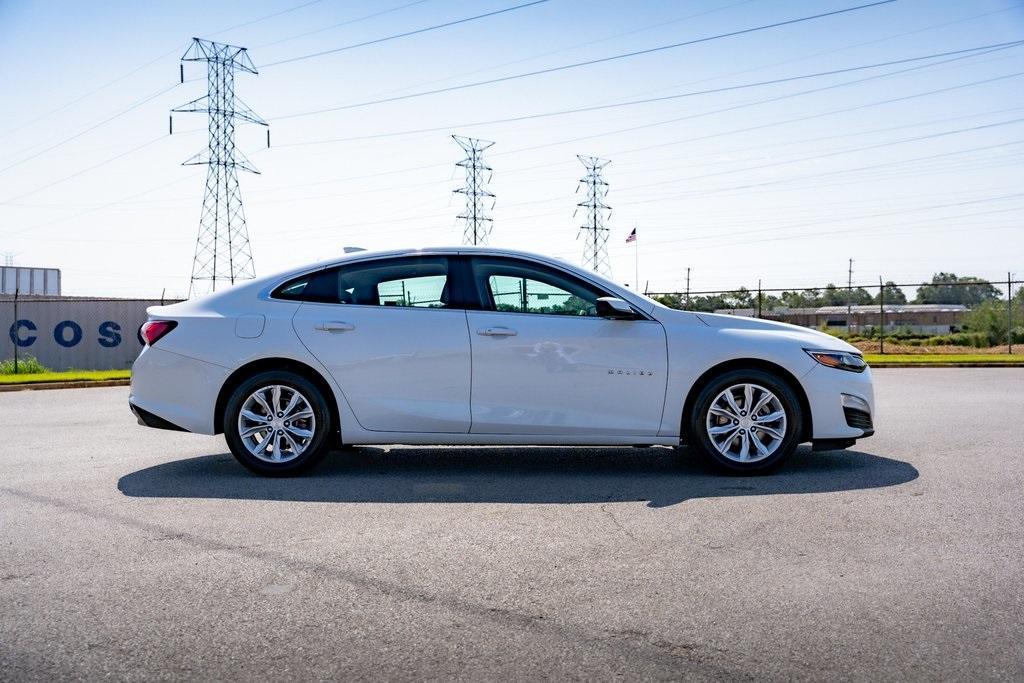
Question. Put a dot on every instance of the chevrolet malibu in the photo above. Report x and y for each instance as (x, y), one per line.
(466, 346)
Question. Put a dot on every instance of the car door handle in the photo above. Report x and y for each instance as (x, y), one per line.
(496, 332)
(334, 326)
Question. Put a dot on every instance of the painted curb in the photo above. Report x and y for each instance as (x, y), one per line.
(89, 383)
(76, 384)
(1010, 364)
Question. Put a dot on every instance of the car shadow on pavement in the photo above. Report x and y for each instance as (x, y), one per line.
(657, 476)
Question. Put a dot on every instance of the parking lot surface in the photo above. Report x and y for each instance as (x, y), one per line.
(130, 552)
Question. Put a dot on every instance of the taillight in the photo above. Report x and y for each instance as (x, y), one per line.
(154, 330)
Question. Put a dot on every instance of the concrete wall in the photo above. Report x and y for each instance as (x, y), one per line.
(65, 333)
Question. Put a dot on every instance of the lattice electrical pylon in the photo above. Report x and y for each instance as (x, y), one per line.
(594, 229)
(222, 248)
(479, 201)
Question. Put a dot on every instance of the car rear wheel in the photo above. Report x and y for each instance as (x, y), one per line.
(746, 421)
(277, 423)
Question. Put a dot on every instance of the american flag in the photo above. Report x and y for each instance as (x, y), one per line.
(631, 237)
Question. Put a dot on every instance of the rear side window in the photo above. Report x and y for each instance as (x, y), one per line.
(413, 282)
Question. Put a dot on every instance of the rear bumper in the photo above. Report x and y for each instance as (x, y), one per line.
(172, 389)
(148, 419)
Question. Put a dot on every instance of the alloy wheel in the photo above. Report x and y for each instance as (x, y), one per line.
(276, 423)
(746, 423)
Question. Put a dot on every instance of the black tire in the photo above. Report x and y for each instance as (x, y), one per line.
(700, 439)
(313, 450)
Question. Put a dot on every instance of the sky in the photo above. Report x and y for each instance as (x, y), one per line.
(908, 169)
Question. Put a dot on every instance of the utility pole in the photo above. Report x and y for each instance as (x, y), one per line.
(222, 247)
(1009, 313)
(594, 230)
(9, 258)
(849, 296)
(478, 224)
(759, 297)
(881, 316)
(17, 293)
(687, 286)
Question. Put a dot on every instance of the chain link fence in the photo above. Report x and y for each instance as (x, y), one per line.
(945, 316)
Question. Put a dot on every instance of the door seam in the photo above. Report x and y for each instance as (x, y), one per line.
(469, 339)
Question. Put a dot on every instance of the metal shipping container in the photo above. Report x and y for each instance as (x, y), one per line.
(29, 281)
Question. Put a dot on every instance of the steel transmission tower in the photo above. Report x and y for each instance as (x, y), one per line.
(479, 201)
(222, 248)
(594, 230)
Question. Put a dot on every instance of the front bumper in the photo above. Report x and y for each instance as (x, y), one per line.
(831, 419)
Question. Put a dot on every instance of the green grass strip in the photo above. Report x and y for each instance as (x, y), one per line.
(67, 376)
(930, 358)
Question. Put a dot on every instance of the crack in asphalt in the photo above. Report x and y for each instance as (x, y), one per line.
(636, 646)
(617, 523)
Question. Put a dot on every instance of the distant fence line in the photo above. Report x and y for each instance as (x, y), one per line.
(102, 333)
(973, 314)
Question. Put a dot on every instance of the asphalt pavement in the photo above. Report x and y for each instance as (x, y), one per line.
(128, 552)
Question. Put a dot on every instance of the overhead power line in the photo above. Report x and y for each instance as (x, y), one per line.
(815, 157)
(717, 111)
(800, 119)
(590, 62)
(347, 22)
(812, 176)
(775, 98)
(93, 127)
(86, 95)
(632, 150)
(694, 93)
(84, 170)
(176, 50)
(816, 233)
(568, 48)
(263, 18)
(395, 36)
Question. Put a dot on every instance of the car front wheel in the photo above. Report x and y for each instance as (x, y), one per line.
(277, 423)
(746, 421)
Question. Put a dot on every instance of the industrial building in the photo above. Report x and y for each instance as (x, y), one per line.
(919, 318)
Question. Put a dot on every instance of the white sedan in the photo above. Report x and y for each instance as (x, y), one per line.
(486, 346)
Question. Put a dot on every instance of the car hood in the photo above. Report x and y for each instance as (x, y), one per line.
(803, 335)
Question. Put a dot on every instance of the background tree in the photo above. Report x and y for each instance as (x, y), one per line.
(948, 288)
(989, 318)
(893, 294)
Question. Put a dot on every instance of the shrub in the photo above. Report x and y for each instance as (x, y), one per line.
(977, 340)
(27, 365)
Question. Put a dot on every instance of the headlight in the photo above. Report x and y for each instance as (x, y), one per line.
(840, 360)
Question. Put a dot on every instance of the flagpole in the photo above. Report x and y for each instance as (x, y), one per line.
(636, 258)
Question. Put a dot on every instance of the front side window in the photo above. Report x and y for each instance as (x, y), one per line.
(512, 286)
(417, 282)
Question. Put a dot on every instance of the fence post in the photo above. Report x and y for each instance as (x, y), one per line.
(1009, 313)
(15, 340)
(881, 316)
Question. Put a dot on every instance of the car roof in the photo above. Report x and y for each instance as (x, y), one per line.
(409, 251)
(265, 284)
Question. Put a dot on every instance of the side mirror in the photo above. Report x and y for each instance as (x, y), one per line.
(615, 309)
